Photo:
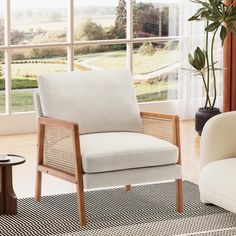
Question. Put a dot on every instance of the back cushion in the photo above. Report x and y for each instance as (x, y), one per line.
(99, 101)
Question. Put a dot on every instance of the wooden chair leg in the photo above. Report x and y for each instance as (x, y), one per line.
(81, 205)
(38, 186)
(179, 195)
(127, 188)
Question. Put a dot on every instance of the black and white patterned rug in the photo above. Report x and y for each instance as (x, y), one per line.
(146, 210)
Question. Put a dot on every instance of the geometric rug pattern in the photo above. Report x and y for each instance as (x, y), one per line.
(146, 210)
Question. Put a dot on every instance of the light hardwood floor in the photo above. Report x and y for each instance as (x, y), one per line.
(26, 145)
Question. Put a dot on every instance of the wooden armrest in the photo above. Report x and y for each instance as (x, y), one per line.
(56, 123)
(158, 115)
(59, 145)
(162, 126)
(59, 155)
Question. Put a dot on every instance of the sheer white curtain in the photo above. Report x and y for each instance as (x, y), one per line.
(191, 91)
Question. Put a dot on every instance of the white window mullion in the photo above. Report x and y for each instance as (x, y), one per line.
(7, 40)
(129, 34)
(70, 35)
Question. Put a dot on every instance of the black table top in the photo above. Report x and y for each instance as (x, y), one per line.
(13, 160)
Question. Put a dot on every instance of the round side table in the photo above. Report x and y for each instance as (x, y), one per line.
(8, 199)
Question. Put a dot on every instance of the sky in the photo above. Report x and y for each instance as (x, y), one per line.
(25, 4)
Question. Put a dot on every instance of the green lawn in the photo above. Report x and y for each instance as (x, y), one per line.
(117, 59)
(22, 69)
(105, 60)
(154, 92)
(150, 88)
(146, 64)
(19, 83)
(142, 64)
(21, 101)
(2, 103)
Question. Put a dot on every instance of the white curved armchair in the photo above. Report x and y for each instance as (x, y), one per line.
(218, 162)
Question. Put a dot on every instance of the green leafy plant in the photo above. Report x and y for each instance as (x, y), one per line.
(220, 19)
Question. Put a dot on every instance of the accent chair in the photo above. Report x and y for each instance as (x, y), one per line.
(92, 133)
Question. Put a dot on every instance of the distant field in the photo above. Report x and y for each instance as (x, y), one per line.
(103, 20)
(39, 23)
(45, 23)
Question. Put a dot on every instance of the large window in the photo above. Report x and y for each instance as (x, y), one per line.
(43, 36)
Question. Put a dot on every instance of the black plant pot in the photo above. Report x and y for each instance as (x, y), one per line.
(202, 116)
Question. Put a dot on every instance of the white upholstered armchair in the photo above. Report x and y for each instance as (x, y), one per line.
(92, 133)
(218, 161)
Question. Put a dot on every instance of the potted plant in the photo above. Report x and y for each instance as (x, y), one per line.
(219, 19)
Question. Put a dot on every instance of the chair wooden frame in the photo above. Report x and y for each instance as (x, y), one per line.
(77, 178)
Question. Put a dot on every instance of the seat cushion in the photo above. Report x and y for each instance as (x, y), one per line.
(99, 101)
(124, 150)
(217, 183)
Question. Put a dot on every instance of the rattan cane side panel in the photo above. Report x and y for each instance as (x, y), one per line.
(160, 128)
(58, 149)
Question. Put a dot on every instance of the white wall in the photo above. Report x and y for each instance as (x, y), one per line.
(17, 123)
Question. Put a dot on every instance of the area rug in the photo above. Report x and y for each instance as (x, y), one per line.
(146, 210)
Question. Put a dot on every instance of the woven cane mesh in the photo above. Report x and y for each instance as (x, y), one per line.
(162, 128)
(58, 149)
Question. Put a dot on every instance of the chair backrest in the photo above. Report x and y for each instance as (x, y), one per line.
(37, 105)
(99, 101)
